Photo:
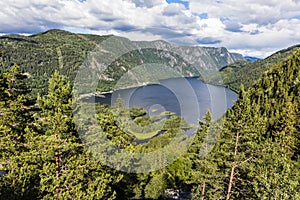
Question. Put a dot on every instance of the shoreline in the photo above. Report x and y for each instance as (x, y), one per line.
(144, 84)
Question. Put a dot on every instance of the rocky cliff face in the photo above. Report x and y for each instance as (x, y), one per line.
(139, 61)
(203, 58)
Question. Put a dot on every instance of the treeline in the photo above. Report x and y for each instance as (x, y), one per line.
(252, 153)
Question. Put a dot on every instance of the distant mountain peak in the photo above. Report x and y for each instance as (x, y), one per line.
(251, 58)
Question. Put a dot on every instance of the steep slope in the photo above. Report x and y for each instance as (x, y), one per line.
(278, 89)
(257, 146)
(270, 133)
(42, 53)
(247, 72)
(257, 153)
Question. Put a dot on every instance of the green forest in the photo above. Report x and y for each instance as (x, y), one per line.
(255, 147)
(245, 72)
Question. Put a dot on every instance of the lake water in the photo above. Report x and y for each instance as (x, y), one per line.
(187, 97)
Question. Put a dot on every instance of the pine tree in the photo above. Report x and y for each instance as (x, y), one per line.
(14, 110)
(16, 119)
(68, 171)
(236, 149)
(276, 168)
(49, 161)
(199, 157)
(156, 186)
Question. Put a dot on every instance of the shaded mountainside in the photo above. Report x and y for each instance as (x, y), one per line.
(247, 72)
(41, 54)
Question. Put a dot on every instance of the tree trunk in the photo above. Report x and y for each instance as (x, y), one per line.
(230, 183)
(203, 190)
(233, 166)
(57, 166)
(204, 181)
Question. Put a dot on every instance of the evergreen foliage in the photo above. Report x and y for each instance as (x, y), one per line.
(252, 153)
(48, 160)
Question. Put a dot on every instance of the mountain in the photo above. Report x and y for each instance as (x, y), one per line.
(41, 54)
(251, 59)
(246, 72)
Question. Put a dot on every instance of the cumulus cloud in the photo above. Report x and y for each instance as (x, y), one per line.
(248, 11)
(173, 9)
(232, 26)
(251, 27)
(147, 3)
(270, 38)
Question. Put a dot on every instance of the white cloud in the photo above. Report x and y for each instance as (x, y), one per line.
(247, 11)
(173, 9)
(270, 38)
(147, 3)
(252, 27)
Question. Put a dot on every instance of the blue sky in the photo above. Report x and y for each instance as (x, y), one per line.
(251, 27)
(185, 3)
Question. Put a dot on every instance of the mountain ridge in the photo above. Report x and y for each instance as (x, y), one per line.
(246, 73)
(42, 53)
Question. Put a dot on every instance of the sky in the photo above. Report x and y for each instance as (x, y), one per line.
(250, 27)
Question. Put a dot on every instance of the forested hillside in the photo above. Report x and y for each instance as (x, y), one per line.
(255, 150)
(242, 72)
(257, 153)
(41, 54)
